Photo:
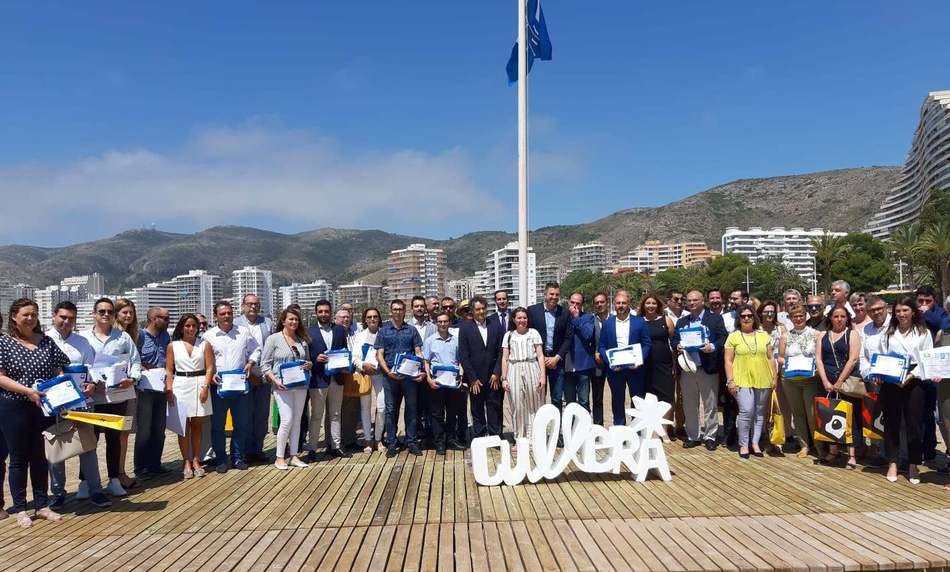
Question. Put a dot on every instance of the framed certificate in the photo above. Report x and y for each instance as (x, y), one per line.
(799, 366)
(293, 375)
(61, 393)
(625, 357)
(935, 363)
(446, 376)
(153, 379)
(338, 362)
(693, 339)
(233, 383)
(889, 367)
(407, 365)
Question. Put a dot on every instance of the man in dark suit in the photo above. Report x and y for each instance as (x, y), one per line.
(326, 391)
(502, 313)
(553, 322)
(479, 352)
(700, 379)
(619, 330)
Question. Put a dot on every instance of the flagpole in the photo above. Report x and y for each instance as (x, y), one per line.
(522, 154)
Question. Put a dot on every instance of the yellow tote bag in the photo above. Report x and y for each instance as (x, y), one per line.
(777, 434)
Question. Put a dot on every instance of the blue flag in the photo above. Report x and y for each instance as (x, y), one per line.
(539, 44)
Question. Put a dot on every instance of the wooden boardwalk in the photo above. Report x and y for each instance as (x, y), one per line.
(427, 513)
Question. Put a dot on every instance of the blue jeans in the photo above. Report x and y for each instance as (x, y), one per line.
(219, 416)
(258, 411)
(88, 466)
(577, 387)
(150, 430)
(556, 385)
(395, 392)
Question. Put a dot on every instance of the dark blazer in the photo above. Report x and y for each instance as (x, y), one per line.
(639, 334)
(562, 334)
(479, 360)
(494, 317)
(717, 337)
(317, 347)
(582, 348)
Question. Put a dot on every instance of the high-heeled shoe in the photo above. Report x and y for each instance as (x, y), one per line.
(892, 479)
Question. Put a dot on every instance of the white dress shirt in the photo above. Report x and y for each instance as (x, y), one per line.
(76, 347)
(623, 331)
(483, 330)
(234, 348)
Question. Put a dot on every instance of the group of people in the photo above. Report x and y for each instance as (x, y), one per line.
(445, 363)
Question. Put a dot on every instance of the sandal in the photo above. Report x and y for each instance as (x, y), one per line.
(803, 453)
(126, 481)
(48, 514)
(23, 520)
(851, 465)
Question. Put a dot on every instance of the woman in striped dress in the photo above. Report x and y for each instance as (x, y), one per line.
(522, 362)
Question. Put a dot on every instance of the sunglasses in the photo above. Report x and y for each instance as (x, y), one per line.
(105, 312)
(768, 313)
(746, 316)
(814, 306)
(676, 299)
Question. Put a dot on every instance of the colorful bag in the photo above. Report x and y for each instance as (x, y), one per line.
(833, 420)
(777, 434)
(872, 415)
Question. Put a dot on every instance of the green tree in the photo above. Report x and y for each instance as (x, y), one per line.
(935, 250)
(904, 246)
(828, 249)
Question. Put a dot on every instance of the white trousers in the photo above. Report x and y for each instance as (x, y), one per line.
(290, 403)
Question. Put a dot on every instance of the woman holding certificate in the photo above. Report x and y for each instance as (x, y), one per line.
(522, 361)
(285, 365)
(189, 368)
(797, 355)
(364, 361)
(895, 366)
(838, 351)
(750, 374)
(26, 357)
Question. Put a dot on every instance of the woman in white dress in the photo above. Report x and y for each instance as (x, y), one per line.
(371, 322)
(522, 361)
(189, 365)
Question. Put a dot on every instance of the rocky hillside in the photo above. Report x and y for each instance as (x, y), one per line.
(837, 200)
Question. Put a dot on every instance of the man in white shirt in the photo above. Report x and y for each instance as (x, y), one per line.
(80, 353)
(871, 333)
(790, 298)
(840, 290)
(259, 399)
(502, 314)
(674, 305)
(426, 328)
(234, 349)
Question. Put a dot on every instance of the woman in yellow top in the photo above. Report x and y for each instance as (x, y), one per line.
(750, 376)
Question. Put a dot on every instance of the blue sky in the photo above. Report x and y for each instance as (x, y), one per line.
(296, 115)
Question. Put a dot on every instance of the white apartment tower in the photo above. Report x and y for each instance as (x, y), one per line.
(793, 246)
(927, 168)
(593, 256)
(359, 294)
(252, 280)
(503, 273)
(307, 295)
(197, 291)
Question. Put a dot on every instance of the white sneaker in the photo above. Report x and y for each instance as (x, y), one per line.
(83, 492)
(115, 488)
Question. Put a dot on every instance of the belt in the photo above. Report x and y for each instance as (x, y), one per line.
(529, 360)
(189, 373)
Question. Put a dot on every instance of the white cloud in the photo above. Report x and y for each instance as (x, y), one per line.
(258, 169)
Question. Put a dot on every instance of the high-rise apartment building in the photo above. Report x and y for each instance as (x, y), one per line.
(503, 273)
(416, 271)
(307, 295)
(652, 256)
(359, 294)
(156, 294)
(253, 280)
(593, 256)
(792, 247)
(196, 292)
(927, 168)
(545, 273)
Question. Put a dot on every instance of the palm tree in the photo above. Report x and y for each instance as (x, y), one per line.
(935, 247)
(828, 249)
(904, 245)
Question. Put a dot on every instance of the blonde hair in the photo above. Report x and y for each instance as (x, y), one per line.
(133, 328)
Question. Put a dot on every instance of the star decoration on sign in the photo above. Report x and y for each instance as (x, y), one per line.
(647, 415)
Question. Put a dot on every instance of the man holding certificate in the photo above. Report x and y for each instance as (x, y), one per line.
(624, 345)
(326, 390)
(700, 376)
(236, 353)
(397, 337)
(446, 401)
(81, 356)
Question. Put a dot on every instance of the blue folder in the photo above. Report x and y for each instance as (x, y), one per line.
(47, 384)
(247, 385)
(304, 383)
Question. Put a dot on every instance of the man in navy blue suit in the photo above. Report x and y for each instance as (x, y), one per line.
(326, 391)
(479, 352)
(700, 382)
(620, 330)
(553, 322)
(579, 367)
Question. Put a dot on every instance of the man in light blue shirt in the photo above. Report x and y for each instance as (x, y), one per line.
(445, 404)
